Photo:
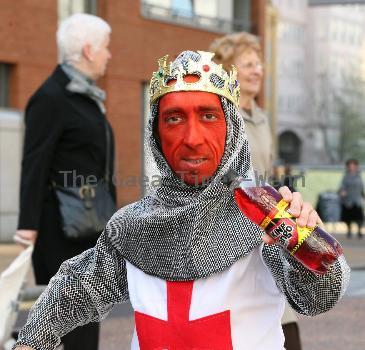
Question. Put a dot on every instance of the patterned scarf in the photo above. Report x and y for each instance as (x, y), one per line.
(81, 84)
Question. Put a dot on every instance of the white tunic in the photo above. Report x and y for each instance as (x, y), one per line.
(246, 290)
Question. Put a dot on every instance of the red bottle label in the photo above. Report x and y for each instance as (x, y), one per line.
(280, 225)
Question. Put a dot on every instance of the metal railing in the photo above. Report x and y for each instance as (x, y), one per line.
(181, 17)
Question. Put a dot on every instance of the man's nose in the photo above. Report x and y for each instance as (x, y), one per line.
(194, 135)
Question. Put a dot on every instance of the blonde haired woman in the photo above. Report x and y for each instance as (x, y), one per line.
(244, 51)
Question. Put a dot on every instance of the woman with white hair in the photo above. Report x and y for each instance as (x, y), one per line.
(68, 142)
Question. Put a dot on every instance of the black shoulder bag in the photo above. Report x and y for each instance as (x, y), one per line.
(85, 210)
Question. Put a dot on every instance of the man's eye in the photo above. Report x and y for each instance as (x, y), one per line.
(209, 117)
(174, 119)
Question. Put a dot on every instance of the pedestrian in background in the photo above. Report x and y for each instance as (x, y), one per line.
(244, 51)
(352, 196)
(66, 135)
(289, 178)
(282, 176)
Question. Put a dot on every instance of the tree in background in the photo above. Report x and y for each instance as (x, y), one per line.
(350, 108)
(341, 112)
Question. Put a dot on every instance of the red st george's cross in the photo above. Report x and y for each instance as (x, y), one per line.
(178, 333)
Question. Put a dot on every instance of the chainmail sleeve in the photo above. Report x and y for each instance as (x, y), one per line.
(84, 290)
(307, 293)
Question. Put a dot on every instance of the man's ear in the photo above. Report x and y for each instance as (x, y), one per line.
(87, 52)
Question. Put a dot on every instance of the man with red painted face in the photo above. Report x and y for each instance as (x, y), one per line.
(192, 131)
(198, 273)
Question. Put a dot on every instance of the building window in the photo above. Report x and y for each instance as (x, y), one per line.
(4, 84)
(242, 14)
(293, 33)
(68, 7)
(289, 147)
(215, 15)
(182, 8)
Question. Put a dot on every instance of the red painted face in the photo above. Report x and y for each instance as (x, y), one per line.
(192, 130)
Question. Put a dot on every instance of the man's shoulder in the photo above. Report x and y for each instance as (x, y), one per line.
(132, 212)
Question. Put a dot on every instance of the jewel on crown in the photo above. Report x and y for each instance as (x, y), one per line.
(212, 78)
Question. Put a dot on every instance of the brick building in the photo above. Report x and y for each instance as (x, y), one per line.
(142, 31)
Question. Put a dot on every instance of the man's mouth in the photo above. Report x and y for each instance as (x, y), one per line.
(194, 160)
(193, 163)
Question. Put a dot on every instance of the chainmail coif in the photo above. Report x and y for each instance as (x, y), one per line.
(182, 232)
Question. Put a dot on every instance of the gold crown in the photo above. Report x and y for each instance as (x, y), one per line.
(213, 78)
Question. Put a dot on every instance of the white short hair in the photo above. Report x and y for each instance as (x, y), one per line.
(78, 30)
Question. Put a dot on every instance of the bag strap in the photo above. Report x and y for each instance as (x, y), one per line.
(108, 151)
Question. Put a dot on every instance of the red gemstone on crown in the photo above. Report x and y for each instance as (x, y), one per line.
(206, 68)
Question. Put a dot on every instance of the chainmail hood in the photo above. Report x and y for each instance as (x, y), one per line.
(183, 232)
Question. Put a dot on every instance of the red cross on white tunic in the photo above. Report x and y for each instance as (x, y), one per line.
(212, 332)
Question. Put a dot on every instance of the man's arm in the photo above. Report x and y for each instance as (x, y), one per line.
(307, 293)
(84, 290)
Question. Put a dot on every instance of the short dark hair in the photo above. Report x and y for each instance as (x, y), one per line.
(352, 160)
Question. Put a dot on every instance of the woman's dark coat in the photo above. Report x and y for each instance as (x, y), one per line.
(64, 143)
